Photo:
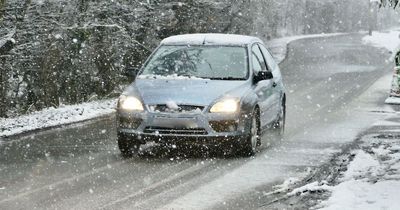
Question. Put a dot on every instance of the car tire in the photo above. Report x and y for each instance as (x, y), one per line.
(127, 146)
(280, 122)
(252, 141)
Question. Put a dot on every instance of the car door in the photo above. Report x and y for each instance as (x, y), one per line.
(263, 88)
(277, 90)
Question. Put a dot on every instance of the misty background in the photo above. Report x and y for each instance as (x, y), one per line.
(55, 52)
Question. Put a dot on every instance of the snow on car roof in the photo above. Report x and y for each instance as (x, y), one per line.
(209, 39)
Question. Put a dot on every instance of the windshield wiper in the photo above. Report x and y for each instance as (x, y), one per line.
(226, 78)
(185, 75)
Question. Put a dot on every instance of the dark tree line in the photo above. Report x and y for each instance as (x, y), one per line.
(55, 52)
(390, 3)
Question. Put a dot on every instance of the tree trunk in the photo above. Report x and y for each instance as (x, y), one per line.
(2, 3)
(3, 89)
(370, 24)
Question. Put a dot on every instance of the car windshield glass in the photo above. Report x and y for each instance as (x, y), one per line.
(209, 62)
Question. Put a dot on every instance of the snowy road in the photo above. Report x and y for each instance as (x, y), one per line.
(79, 166)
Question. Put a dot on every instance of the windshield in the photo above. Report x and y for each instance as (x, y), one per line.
(208, 62)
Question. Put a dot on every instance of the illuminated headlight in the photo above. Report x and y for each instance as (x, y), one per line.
(130, 103)
(225, 106)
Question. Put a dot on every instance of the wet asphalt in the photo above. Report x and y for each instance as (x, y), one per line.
(79, 166)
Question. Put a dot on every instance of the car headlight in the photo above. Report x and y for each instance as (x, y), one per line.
(225, 106)
(130, 103)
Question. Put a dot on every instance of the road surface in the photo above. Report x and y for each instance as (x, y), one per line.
(80, 167)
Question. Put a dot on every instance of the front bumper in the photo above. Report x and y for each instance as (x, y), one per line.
(194, 128)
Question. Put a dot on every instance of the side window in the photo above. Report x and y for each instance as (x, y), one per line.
(256, 63)
(268, 57)
(271, 62)
(259, 63)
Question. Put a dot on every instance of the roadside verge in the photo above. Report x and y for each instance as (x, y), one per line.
(54, 117)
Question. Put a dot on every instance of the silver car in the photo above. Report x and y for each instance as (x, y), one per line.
(203, 89)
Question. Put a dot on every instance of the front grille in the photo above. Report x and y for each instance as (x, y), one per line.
(224, 125)
(178, 131)
(181, 108)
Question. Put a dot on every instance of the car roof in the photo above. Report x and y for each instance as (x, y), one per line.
(210, 39)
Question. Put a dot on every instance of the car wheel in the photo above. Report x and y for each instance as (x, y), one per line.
(127, 147)
(252, 141)
(280, 122)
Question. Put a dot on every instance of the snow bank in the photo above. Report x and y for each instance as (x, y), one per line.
(56, 116)
(392, 100)
(356, 194)
(312, 187)
(286, 186)
(372, 180)
(361, 164)
(389, 40)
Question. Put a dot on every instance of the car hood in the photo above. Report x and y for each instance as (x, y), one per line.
(185, 91)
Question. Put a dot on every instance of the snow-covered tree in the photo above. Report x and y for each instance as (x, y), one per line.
(390, 3)
(70, 51)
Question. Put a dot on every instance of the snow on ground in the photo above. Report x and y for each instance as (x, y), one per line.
(372, 180)
(312, 187)
(392, 100)
(287, 185)
(361, 163)
(278, 47)
(356, 194)
(389, 40)
(56, 116)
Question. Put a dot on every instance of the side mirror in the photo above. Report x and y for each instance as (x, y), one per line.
(131, 72)
(262, 75)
